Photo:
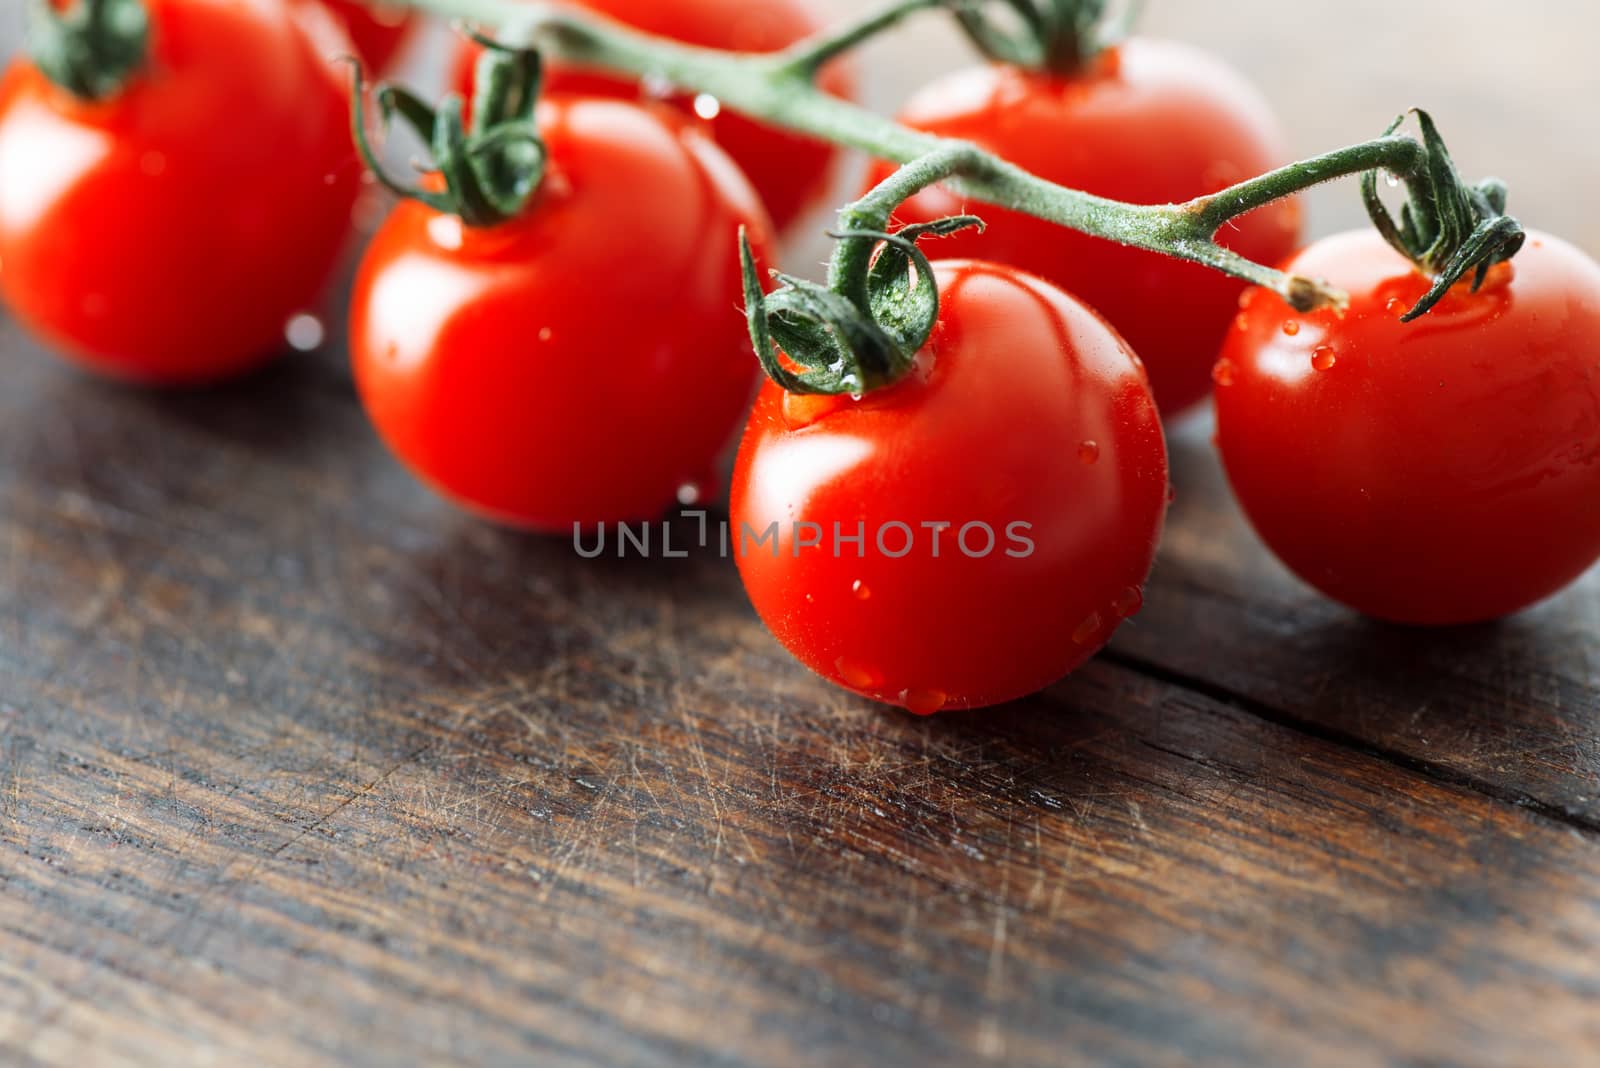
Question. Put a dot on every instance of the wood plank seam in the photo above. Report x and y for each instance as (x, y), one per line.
(1434, 771)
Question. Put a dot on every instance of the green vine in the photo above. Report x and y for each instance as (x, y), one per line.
(1451, 230)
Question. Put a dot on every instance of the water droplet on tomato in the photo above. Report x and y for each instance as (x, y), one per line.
(1247, 298)
(922, 702)
(1396, 307)
(1241, 322)
(1128, 602)
(304, 332)
(1291, 328)
(862, 591)
(1324, 358)
(656, 86)
(1223, 373)
(1089, 629)
(855, 675)
(545, 333)
(446, 232)
(707, 106)
(1089, 452)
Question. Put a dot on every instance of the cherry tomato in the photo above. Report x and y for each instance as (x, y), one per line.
(1150, 123)
(792, 172)
(1010, 492)
(167, 234)
(1441, 471)
(584, 361)
(378, 30)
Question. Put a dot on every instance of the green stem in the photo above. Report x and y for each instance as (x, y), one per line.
(777, 89)
(805, 59)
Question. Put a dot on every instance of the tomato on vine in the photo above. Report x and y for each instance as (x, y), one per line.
(950, 494)
(792, 172)
(547, 333)
(1428, 470)
(176, 180)
(1140, 121)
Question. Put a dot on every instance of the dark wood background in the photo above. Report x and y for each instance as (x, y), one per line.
(299, 767)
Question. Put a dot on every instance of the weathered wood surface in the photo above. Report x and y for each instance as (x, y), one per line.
(299, 767)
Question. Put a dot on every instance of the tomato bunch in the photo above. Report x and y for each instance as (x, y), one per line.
(951, 488)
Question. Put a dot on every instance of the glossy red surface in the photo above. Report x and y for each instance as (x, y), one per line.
(378, 30)
(1024, 408)
(1442, 471)
(584, 361)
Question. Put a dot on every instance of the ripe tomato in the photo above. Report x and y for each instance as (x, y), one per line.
(168, 233)
(376, 29)
(1149, 122)
(1024, 413)
(1441, 471)
(582, 362)
(790, 171)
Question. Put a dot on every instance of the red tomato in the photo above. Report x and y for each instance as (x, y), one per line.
(584, 361)
(168, 233)
(378, 30)
(790, 171)
(1150, 123)
(1025, 417)
(1441, 471)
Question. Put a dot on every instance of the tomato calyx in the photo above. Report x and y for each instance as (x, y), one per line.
(489, 170)
(861, 331)
(1447, 227)
(1058, 36)
(92, 47)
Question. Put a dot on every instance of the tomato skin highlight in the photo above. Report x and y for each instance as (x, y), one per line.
(1151, 122)
(792, 172)
(582, 362)
(168, 234)
(1024, 407)
(378, 31)
(1439, 472)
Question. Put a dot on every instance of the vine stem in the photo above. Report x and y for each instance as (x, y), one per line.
(778, 89)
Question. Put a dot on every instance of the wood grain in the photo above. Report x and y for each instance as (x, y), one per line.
(300, 767)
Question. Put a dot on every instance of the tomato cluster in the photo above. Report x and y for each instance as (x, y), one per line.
(547, 331)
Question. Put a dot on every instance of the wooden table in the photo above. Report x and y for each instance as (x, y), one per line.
(299, 767)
